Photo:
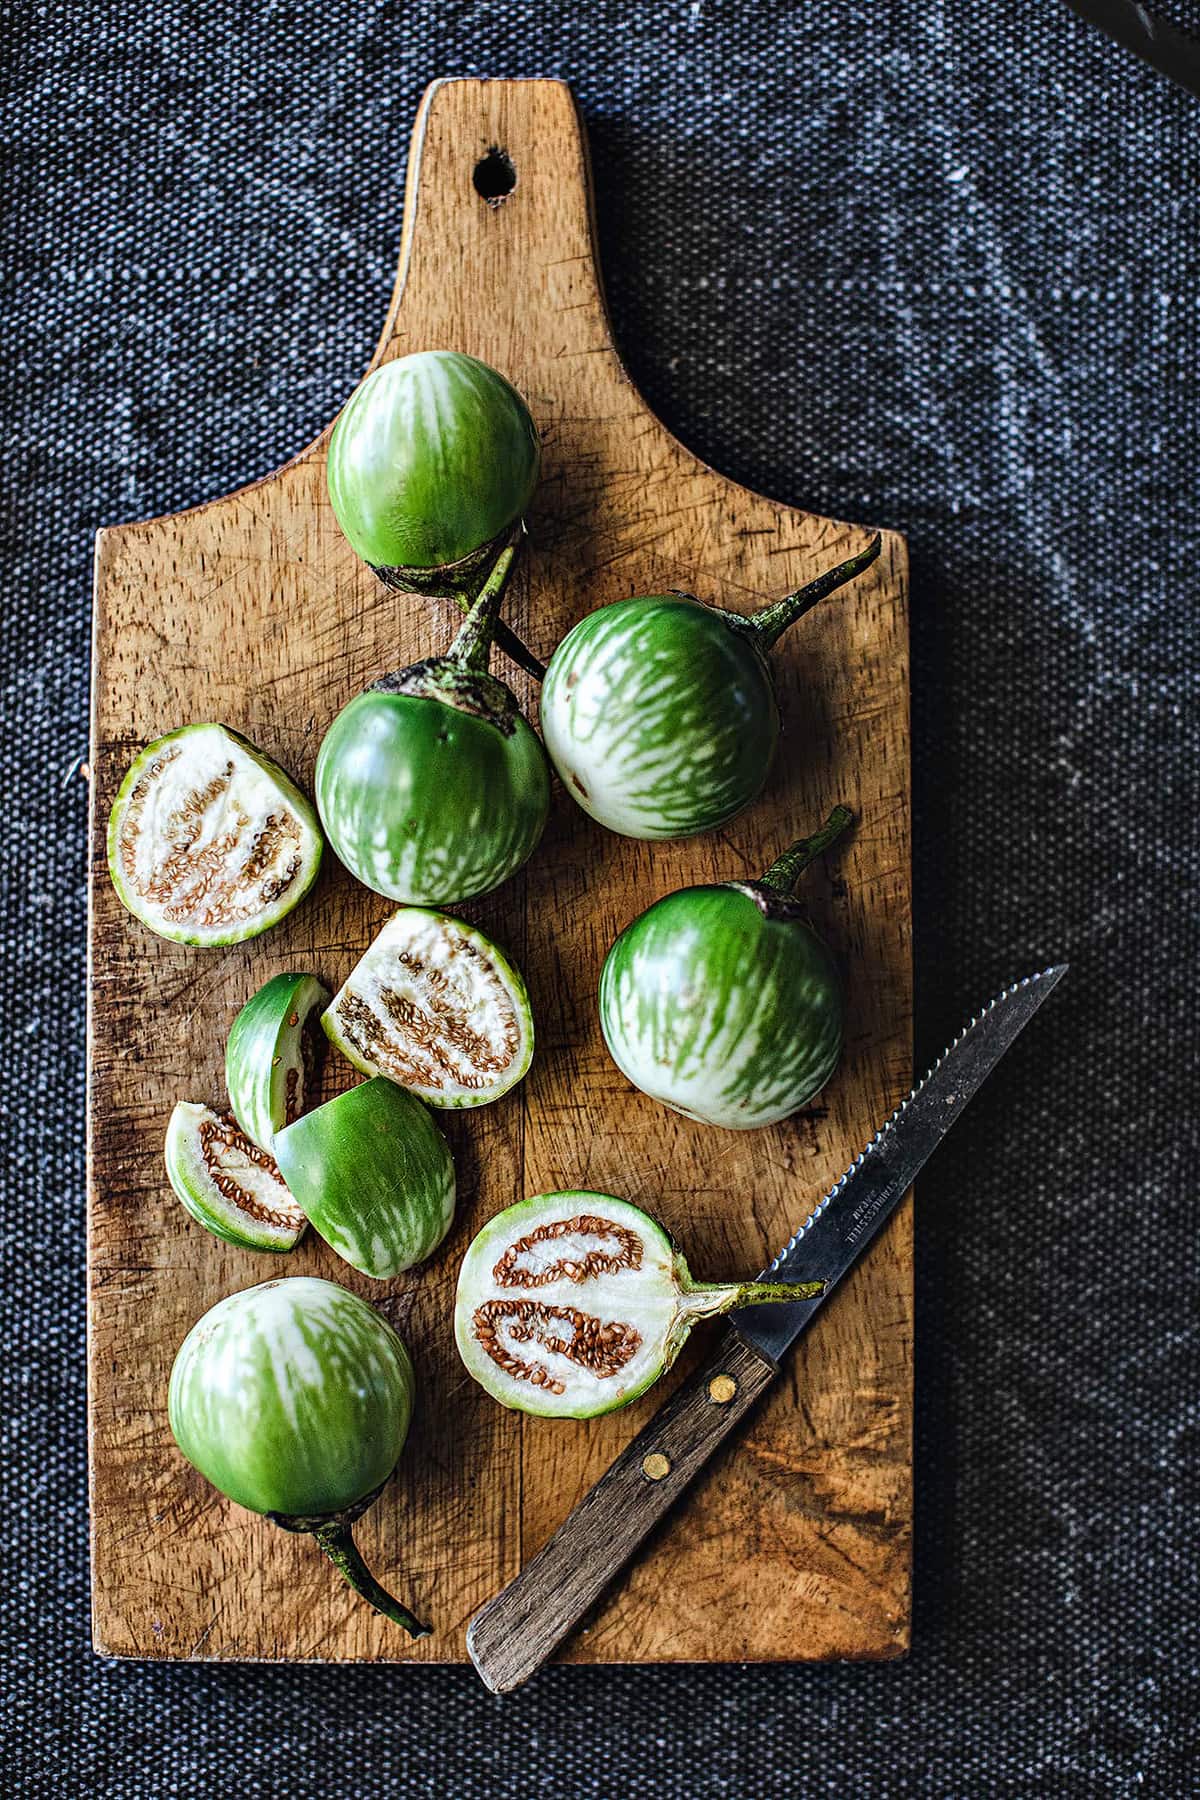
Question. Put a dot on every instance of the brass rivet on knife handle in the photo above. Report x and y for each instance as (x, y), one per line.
(514, 1634)
(721, 1389)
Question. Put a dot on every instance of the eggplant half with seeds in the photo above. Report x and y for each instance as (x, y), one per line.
(373, 1173)
(573, 1304)
(208, 840)
(432, 786)
(722, 1001)
(294, 1399)
(227, 1183)
(270, 1055)
(437, 1007)
(659, 713)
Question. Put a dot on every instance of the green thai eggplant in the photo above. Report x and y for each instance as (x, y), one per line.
(722, 1002)
(573, 1304)
(432, 786)
(437, 1007)
(294, 1399)
(373, 1173)
(659, 713)
(432, 462)
(208, 840)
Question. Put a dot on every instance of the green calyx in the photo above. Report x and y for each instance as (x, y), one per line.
(460, 678)
(334, 1535)
(461, 584)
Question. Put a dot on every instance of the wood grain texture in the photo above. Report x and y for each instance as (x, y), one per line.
(252, 610)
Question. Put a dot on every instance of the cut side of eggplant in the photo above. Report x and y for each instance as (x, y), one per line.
(436, 1007)
(227, 1183)
(573, 1304)
(209, 842)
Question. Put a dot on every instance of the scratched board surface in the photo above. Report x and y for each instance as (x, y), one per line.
(253, 610)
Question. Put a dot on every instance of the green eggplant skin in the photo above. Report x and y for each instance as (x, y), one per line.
(433, 458)
(209, 842)
(723, 1003)
(266, 1062)
(660, 720)
(428, 803)
(292, 1398)
(373, 1173)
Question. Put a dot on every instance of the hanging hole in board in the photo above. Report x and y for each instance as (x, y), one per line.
(494, 177)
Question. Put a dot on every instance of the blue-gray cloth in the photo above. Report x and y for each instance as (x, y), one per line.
(929, 265)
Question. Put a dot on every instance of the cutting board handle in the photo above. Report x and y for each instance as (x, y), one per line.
(472, 137)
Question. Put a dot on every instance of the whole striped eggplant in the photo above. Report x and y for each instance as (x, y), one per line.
(294, 1399)
(432, 463)
(659, 713)
(722, 1001)
(432, 785)
(433, 460)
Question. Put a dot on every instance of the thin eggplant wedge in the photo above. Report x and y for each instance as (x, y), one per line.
(209, 842)
(371, 1170)
(722, 1002)
(438, 1008)
(659, 713)
(227, 1183)
(294, 1399)
(270, 1055)
(573, 1304)
(432, 786)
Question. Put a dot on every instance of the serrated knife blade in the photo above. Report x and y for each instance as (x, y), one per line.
(861, 1201)
(510, 1637)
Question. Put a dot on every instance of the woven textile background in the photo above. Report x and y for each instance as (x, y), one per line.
(931, 265)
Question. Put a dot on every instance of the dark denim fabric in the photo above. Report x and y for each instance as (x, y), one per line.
(924, 264)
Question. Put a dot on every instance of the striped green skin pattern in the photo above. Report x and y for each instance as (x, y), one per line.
(293, 1397)
(264, 1058)
(373, 1173)
(433, 456)
(721, 1011)
(660, 719)
(426, 803)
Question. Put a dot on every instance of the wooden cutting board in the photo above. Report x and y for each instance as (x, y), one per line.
(252, 610)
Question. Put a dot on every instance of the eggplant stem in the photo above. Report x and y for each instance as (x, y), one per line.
(768, 626)
(706, 1300)
(777, 1293)
(507, 640)
(337, 1541)
(787, 869)
(473, 645)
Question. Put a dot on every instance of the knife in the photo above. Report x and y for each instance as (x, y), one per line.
(513, 1634)
(1167, 49)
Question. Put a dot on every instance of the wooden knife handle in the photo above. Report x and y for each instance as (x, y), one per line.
(514, 1634)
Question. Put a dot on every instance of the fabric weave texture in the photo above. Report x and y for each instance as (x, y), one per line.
(925, 265)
